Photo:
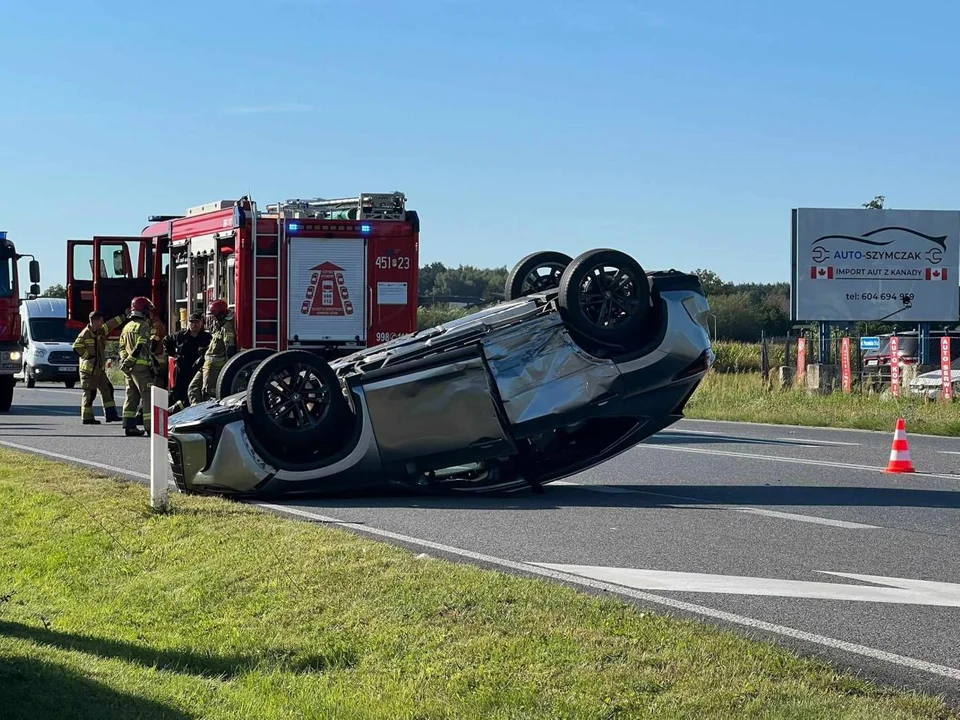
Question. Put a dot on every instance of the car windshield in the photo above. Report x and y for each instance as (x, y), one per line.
(52, 330)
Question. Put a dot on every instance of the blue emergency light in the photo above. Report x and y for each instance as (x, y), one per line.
(364, 228)
(3, 234)
(294, 226)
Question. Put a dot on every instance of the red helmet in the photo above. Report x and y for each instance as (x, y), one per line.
(141, 306)
(218, 308)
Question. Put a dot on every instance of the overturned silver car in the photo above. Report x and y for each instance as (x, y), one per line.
(584, 358)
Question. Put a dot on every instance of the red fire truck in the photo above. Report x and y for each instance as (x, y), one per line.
(331, 276)
(11, 331)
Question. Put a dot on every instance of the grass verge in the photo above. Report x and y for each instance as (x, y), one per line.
(743, 397)
(218, 610)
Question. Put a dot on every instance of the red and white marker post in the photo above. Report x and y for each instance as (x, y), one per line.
(160, 474)
(895, 366)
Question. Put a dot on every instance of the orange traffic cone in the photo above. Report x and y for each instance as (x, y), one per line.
(900, 452)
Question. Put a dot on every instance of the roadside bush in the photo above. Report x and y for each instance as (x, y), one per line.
(739, 357)
(433, 315)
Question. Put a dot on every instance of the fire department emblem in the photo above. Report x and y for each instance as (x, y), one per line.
(327, 293)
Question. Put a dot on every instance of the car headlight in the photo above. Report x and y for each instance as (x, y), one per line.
(14, 356)
(39, 354)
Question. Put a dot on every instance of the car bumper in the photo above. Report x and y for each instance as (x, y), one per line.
(47, 373)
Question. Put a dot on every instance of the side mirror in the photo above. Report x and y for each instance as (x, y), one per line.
(35, 290)
(35, 271)
(119, 266)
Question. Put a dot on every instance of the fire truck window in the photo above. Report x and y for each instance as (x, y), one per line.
(83, 263)
(6, 276)
(231, 278)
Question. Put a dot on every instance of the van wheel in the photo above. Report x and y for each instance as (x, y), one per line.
(70, 384)
(236, 373)
(294, 399)
(31, 382)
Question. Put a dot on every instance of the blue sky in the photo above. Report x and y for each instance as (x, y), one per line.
(681, 132)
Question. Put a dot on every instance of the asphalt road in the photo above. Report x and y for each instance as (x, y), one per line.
(688, 523)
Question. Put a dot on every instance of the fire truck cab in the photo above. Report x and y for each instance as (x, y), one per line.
(330, 276)
(11, 327)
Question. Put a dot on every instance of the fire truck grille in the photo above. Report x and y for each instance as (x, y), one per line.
(63, 358)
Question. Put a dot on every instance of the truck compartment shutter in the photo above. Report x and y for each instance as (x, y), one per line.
(328, 290)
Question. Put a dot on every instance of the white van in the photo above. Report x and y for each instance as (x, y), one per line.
(48, 343)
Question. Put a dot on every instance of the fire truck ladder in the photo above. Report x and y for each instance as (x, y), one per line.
(366, 206)
(266, 271)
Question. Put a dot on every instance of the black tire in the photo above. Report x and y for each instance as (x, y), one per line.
(70, 384)
(28, 378)
(319, 427)
(236, 373)
(605, 307)
(7, 383)
(521, 281)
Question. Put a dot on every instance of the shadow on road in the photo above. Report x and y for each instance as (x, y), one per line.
(647, 496)
(665, 437)
(35, 410)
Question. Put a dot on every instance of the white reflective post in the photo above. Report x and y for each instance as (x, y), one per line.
(159, 465)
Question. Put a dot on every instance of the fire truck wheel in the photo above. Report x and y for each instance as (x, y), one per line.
(236, 373)
(295, 400)
(605, 296)
(7, 383)
(537, 272)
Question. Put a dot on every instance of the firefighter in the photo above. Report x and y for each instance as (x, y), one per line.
(138, 364)
(188, 347)
(91, 346)
(223, 346)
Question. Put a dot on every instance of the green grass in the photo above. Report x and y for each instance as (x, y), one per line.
(739, 357)
(743, 397)
(218, 610)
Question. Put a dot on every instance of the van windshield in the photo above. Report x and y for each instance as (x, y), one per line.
(52, 330)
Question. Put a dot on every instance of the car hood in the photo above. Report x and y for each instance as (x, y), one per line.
(54, 346)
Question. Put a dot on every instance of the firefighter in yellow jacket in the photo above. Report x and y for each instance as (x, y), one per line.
(138, 363)
(91, 346)
(222, 347)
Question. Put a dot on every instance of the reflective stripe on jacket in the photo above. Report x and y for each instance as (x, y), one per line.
(91, 345)
(223, 341)
(135, 342)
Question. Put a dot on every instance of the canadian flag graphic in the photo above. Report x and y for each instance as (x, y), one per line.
(821, 273)
(936, 273)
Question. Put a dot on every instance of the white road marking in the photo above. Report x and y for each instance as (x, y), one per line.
(530, 568)
(949, 452)
(71, 459)
(806, 518)
(816, 442)
(690, 432)
(596, 488)
(777, 458)
(899, 590)
(808, 428)
(703, 503)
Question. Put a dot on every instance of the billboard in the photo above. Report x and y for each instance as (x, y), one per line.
(866, 264)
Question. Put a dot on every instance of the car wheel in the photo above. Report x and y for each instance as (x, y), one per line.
(605, 296)
(537, 272)
(31, 382)
(294, 399)
(236, 373)
(70, 384)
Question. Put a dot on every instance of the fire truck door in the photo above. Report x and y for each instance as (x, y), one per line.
(79, 281)
(119, 280)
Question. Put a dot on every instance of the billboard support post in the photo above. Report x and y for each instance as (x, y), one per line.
(924, 337)
(824, 354)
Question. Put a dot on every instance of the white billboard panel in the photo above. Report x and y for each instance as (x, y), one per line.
(865, 264)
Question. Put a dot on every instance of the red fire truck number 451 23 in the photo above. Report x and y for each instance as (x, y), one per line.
(387, 262)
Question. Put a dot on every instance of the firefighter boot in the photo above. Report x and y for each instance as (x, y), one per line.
(91, 421)
(111, 415)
